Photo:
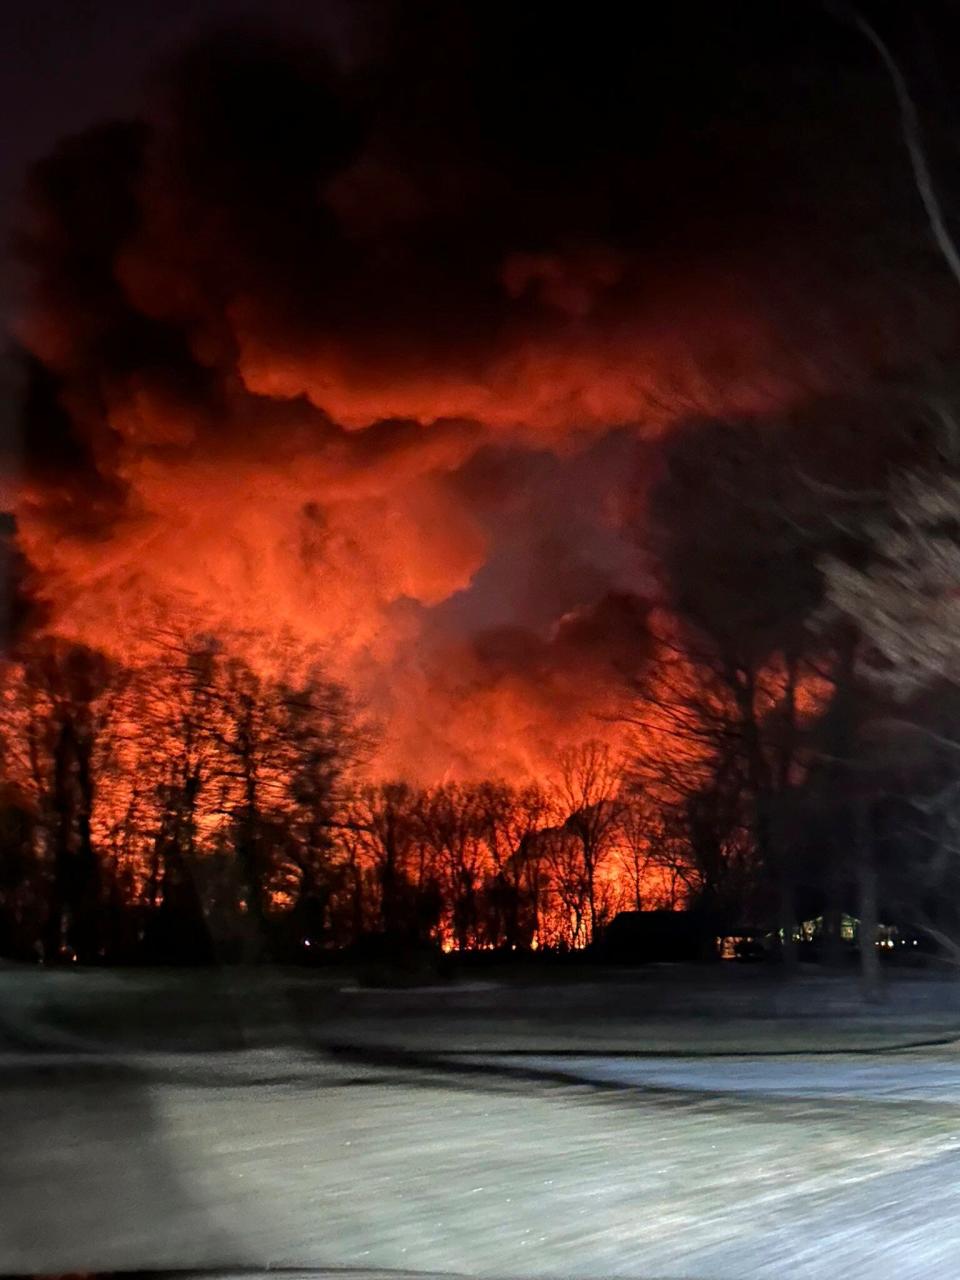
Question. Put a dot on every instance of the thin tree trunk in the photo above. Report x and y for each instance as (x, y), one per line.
(867, 888)
(788, 923)
(357, 896)
(833, 916)
(591, 894)
(770, 830)
(60, 888)
(87, 920)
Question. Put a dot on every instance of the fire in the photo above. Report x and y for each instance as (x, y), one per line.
(350, 379)
(459, 581)
(294, 382)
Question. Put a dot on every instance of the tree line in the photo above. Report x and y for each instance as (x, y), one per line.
(191, 807)
(787, 750)
(807, 670)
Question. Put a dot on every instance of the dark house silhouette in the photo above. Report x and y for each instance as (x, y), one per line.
(642, 937)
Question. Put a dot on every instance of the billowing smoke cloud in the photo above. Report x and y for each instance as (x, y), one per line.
(371, 354)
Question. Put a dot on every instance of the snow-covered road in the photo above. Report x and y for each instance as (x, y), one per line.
(487, 1166)
(905, 1076)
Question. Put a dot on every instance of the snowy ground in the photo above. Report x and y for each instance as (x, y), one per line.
(671, 1009)
(415, 1150)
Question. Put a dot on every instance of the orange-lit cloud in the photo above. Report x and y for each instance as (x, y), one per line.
(305, 361)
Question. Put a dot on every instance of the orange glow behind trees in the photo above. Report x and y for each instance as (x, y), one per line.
(341, 425)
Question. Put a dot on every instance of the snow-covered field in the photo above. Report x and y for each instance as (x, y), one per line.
(726, 1009)
(402, 1154)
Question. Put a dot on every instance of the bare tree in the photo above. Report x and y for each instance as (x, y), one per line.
(510, 822)
(903, 592)
(69, 707)
(587, 796)
(382, 829)
(451, 820)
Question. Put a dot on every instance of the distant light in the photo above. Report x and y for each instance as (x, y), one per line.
(306, 942)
